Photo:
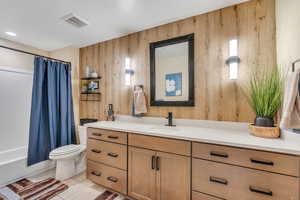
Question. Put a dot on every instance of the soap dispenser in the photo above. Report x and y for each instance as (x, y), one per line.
(110, 113)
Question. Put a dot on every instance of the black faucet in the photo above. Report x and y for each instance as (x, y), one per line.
(170, 119)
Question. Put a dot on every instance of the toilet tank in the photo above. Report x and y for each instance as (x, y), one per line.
(82, 130)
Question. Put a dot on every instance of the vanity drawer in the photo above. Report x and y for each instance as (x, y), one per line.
(200, 196)
(233, 182)
(273, 162)
(160, 144)
(108, 153)
(109, 177)
(107, 135)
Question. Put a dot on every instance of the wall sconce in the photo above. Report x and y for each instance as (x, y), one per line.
(233, 60)
(128, 72)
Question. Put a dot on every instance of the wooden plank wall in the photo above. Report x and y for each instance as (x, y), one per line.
(217, 97)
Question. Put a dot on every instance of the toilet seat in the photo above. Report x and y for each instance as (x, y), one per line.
(66, 151)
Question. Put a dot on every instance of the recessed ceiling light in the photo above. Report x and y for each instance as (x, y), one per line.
(11, 33)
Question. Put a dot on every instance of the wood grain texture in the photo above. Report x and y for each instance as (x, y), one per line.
(141, 177)
(200, 196)
(281, 163)
(239, 181)
(107, 135)
(179, 147)
(103, 175)
(216, 97)
(173, 177)
(108, 153)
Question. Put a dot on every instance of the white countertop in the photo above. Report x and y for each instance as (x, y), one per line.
(223, 133)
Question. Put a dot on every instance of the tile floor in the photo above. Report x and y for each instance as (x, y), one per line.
(80, 188)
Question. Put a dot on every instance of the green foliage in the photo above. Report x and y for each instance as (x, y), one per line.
(265, 92)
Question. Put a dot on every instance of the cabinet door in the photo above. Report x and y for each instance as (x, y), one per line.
(141, 174)
(173, 177)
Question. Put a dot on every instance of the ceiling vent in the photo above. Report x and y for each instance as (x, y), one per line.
(75, 20)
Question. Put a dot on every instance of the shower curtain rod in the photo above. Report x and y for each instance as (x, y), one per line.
(33, 54)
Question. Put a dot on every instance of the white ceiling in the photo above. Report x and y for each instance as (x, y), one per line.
(38, 22)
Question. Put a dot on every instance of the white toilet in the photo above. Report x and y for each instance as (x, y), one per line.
(70, 159)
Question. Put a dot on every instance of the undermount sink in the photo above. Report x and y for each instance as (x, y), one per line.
(164, 128)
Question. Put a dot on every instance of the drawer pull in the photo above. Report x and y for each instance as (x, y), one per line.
(114, 155)
(95, 151)
(218, 180)
(97, 134)
(261, 162)
(112, 179)
(96, 173)
(157, 162)
(153, 162)
(113, 137)
(261, 190)
(217, 154)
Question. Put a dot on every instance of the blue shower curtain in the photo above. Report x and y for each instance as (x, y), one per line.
(52, 118)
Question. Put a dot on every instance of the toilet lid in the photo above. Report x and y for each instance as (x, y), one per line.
(65, 150)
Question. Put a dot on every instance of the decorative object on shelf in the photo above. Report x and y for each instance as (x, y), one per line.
(84, 87)
(265, 95)
(110, 116)
(90, 88)
(93, 86)
(87, 71)
(94, 74)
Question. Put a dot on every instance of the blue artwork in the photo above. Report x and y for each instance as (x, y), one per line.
(173, 84)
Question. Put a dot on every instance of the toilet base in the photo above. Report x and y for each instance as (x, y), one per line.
(65, 169)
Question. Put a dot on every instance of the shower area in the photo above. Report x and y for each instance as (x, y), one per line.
(19, 75)
(15, 95)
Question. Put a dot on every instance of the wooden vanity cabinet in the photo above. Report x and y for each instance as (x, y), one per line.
(155, 168)
(141, 174)
(173, 177)
(155, 175)
(107, 159)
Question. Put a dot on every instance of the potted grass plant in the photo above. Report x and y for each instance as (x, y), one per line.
(265, 95)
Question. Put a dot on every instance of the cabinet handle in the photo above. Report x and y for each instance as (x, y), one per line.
(217, 154)
(153, 162)
(218, 180)
(256, 161)
(95, 151)
(96, 173)
(261, 190)
(96, 134)
(112, 179)
(157, 163)
(114, 155)
(113, 137)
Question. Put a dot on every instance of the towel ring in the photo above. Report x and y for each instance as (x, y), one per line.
(294, 65)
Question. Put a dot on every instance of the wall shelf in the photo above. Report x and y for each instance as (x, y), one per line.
(90, 78)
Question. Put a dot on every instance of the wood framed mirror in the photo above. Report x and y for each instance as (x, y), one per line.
(172, 72)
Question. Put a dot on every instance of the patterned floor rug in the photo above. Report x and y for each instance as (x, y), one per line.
(27, 190)
(108, 195)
